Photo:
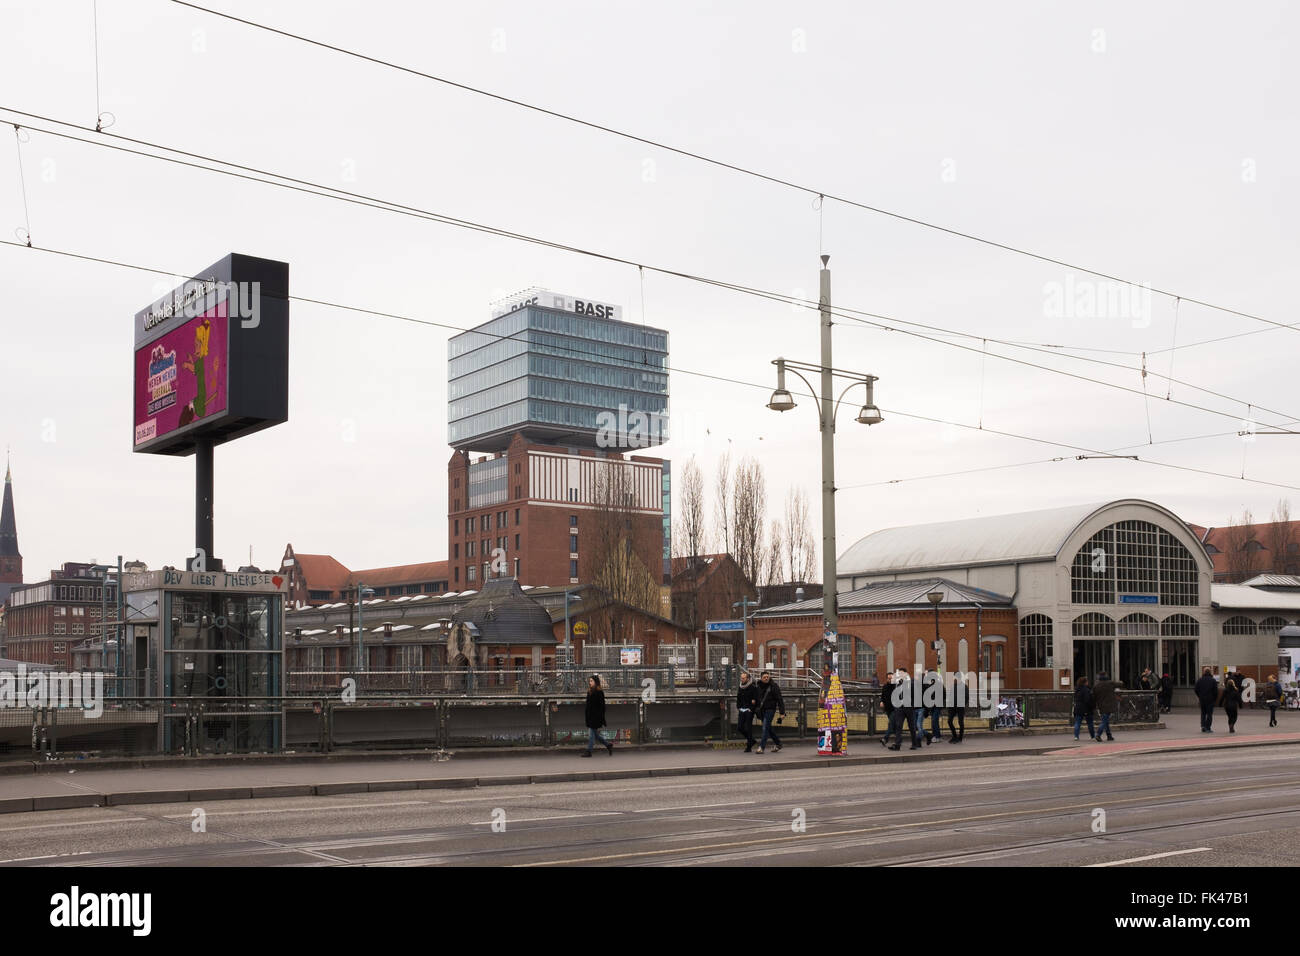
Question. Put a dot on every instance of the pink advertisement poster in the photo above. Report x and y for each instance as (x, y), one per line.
(180, 378)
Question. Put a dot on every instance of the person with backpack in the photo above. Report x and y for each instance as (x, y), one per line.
(1273, 697)
(1231, 703)
(769, 702)
(746, 707)
(595, 716)
(1083, 708)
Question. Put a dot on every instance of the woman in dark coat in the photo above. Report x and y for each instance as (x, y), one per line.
(595, 716)
(1166, 693)
(1083, 708)
(1231, 702)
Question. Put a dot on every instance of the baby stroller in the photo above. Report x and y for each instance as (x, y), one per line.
(1009, 713)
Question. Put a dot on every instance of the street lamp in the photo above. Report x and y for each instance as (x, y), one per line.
(363, 592)
(744, 604)
(827, 410)
(936, 598)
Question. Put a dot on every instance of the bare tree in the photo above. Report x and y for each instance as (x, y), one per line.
(689, 540)
(1243, 548)
(749, 513)
(1281, 536)
(800, 542)
(722, 503)
(614, 534)
(774, 566)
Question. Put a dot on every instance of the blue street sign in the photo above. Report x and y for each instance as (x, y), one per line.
(713, 627)
(1138, 599)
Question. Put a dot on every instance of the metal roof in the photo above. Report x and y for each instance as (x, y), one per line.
(1233, 596)
(1273, 581)
(994, 539)
(892, 595)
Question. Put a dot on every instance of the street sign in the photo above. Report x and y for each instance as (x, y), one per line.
(714, 627)
(580, 627)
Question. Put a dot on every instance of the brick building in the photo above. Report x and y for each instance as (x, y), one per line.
(705, 587)
(43, 621)
(1242, 551)
(316, 579)
(533, 505)
(891, 626)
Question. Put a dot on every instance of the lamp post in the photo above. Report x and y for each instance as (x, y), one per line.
(827, 409)
(744, 604)
(362, 593)
(936, 598)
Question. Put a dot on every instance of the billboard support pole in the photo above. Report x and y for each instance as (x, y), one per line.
(203, 493)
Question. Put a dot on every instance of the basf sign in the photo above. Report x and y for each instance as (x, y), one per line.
(564, 303)
(212, 357)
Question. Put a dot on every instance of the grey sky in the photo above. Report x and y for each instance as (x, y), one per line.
(1162, 149)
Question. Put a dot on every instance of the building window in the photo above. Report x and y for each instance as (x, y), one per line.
(470, 572)
(573, 521)
(455, 550)
(573, 568)
(573, 544)
(516, 510)
(59, 627)
(1134, 557)
(1239, 626)
(864, 660)
(60, 611)
(469, 525)
(455, 575)
(516, 542)
(1138, 625)
(1092, 625)
(1035, 640)
(456, 528)
(1180, 625)
(1271, 625)
(469, 549)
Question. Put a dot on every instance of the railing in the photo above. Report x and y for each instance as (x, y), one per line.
(330, 722)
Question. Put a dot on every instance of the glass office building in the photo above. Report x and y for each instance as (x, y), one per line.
(560, 378)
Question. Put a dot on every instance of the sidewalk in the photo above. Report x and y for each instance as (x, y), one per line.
(70, 784)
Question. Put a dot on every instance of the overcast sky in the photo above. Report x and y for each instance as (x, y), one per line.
(1154, 142)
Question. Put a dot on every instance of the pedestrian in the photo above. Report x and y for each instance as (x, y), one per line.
(1148, 680)
(1166, 693)
(769, 702)
(1231, 703)
(1103, 695)
(1207, 692)
(894, 725)
(957, 709)
(1273, 697)
(595, 716)
(1083, 708)
(933, 680)
(909, 704)
(746, 706)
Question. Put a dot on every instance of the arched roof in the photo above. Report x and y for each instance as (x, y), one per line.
(995, 539)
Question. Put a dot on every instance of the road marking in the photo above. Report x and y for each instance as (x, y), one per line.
(50, 856)
(699, 806)
(566, 816)
(332, 806)
(1153, 856)
(948, 822)
(83, 823)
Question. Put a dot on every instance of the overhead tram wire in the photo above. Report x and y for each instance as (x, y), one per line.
(684, 371)
(295, 184)
(722, 164)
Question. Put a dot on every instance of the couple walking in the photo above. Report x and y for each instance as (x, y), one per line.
(761, 699)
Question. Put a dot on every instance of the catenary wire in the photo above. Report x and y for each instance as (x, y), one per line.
(733, 167)
(329, 192)
(685, 371)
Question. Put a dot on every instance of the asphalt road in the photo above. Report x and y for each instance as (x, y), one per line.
(1175, 809)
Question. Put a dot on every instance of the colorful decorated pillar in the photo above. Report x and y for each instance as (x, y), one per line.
(832, 714)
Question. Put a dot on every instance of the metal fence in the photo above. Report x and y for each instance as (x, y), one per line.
(328, 722)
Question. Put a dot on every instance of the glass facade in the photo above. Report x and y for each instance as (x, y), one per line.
(557, 376)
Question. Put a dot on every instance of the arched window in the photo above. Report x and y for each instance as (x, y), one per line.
(1271, 625)
(1180, 625)
(1138, 625)
(1238, 626)
(1092, 625)
(1133, 558)
(1035, 640)
(864, 660)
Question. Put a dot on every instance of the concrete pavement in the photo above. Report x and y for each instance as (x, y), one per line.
(75, 784)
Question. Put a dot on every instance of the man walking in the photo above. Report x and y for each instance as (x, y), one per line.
(957, 709)
(1207, 692)
(1273, 697)
(769, 702)
(894, 725)
(746, 706)
(1166, 693)
(1106, 701)
(1083, 708)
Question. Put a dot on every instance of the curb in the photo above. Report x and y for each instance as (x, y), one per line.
(129, 797)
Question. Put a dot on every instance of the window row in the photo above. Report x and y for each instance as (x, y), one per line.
(1134, 559)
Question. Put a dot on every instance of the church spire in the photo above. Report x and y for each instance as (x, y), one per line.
(8, 526)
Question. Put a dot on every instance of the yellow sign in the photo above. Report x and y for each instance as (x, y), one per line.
(580, 627)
